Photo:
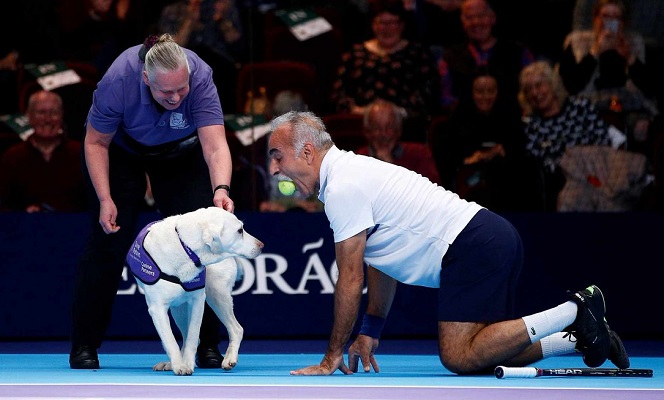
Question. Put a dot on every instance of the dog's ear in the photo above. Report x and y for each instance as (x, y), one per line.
(209, 232)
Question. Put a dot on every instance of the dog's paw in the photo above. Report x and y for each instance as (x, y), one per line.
(230, 358)
(183, 370)
(162, 366)
(228, 363)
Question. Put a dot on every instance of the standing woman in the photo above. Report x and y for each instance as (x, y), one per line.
(155, 112)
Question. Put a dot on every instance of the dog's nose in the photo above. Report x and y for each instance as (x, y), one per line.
(260, 244)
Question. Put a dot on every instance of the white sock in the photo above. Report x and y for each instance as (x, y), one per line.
(556, 344)
(550, 321)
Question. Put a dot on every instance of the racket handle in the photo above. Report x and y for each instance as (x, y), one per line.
(514, 372)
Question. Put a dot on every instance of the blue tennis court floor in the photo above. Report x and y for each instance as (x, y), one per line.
(409, 370)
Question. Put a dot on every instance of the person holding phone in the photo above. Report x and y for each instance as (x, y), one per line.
(608, 66)
(607, 55)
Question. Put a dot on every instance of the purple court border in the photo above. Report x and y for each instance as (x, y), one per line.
(260, 392)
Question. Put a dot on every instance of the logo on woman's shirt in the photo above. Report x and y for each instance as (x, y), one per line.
(178, 121)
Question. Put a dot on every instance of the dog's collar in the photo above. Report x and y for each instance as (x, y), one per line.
(192, 256)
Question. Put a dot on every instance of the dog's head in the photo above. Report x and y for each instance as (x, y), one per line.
(218, 232)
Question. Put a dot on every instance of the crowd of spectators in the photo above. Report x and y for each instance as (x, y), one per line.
(491, 96)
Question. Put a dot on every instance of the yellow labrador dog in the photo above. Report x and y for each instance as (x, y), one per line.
(179, 262)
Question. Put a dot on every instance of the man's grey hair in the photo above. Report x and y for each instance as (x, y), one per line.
(306, 127)
(165, 56)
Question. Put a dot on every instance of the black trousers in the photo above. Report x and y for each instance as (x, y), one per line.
(180, 184)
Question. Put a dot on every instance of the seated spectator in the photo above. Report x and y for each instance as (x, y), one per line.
(607, 65)
(480, 152)
(554, 122)
(390, 67)
(503, 58)
(213, 30)
(211, 24)
(94, 31)
(44, 173)
(382, 129)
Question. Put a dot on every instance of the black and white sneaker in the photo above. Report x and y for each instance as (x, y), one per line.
(617, 353)
(590, 328)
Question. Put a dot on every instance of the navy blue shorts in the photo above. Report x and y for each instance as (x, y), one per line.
(480, 271)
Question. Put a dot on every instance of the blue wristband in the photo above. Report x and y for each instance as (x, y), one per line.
(372, 326)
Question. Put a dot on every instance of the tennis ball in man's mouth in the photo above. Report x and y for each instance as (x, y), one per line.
(287, 188)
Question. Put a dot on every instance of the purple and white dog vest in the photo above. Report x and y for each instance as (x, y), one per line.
(144, 268)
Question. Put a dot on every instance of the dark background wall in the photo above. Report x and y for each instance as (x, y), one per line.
(287, 292)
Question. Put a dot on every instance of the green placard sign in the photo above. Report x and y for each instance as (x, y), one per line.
(246, 127)
(18, 123)
(304, 23)
(53, 75)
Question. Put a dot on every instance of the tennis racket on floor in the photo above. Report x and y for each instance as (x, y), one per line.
(532, 372)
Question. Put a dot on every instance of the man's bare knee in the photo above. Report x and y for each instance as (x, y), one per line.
(456, 347)
(459, 364)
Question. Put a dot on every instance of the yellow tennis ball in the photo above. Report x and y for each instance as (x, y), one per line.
(287, 188)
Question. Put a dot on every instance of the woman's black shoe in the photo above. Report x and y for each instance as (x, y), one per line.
(208, 357)
(83, 357)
